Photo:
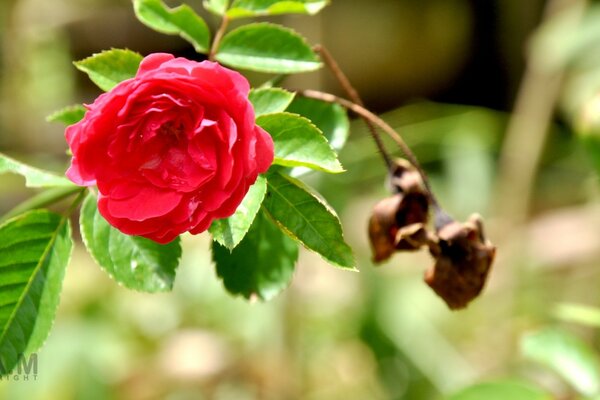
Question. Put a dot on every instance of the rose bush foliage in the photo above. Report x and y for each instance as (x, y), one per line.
(171, 149)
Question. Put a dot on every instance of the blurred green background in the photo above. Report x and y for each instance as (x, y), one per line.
(448, 75)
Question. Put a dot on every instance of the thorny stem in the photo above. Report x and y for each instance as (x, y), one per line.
(374, 119)
(218, 36)
(354, 96)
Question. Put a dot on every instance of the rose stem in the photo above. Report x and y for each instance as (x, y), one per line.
(375, 120)
(354, 96)
(218, 36)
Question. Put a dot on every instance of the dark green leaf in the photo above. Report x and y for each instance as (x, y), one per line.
(270, 100)
(261, 265)
(307, 218)
(182, 21)
(230, 231)
(34, 177)
(331, 119)
(298, 143)
(501, 390)
(253, 8)
(35, 249)
(567, 355)
(69, 115)
(109, 68)
(266, 47)
(216, 6)
(135, 262)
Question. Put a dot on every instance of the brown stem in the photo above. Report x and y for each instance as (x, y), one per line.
(354, 96)
(374, 119)
(529, 127)
(218, 36)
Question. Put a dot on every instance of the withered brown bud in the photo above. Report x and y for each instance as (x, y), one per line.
(398, 222)
(463, 260)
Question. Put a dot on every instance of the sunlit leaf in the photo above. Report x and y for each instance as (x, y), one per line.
(261, 265)
(579, 313)
(267, 47)
(253, 8)
(501, 390)
(182, 21)
(68, 115)
(298, 143)
(34, 177)
(135, 262)
(108, 68)
(230, 231)
(270, 100)
(216, 6)
(307, 218)
(35, 249)
(567, 355)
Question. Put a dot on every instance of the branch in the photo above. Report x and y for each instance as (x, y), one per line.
(375, 120)
(354, 96)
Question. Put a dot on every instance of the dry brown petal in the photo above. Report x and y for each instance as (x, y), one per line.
(383, 228)
(411, 237)
(404, 178)
(463, 260)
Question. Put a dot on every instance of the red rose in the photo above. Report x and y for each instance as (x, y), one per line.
(172, 149)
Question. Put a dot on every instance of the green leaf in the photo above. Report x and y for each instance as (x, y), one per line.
(261, 265)
(216, 6)
(270, 100)
(298, 143)
(182, 21)
(230, 231)
(135, 262)
(501, 390)
(254, 8)
(34, 177)
(266, 47)
(307, 218)
(110, 67)
(567, 355)
(35, 249)
(331, 119)
(69, 115)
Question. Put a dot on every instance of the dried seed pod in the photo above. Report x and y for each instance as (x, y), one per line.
(398, 222)
(463, 260)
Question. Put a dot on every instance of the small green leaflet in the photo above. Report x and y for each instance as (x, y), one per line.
(254, 8)
(266, 47)
(135, 262)
(307, 218)
(261, 265)
(230, 231)
(69, 115)
(34, 177)
(501, 390)
(270, 100)
(216, 6)
(35, 249)
(298, 143)
(182, 21)
(108, 68)
(567, 355)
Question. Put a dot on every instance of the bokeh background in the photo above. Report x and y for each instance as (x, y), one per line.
(499, 99)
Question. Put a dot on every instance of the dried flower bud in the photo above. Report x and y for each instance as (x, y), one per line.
(398, 222)
(463, 260)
